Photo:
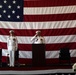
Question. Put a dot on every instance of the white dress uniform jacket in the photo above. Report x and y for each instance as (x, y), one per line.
(38, 40)
(12, 45)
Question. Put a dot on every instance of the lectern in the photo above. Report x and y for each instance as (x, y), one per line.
(38, 54)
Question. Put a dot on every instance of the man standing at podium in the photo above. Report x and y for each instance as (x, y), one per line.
(12, 45)
(38, 49)
(37, 38)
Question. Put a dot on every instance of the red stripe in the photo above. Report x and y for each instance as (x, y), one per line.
(58, 46)
(44, 3)
(50, 17)
(29, 61)
(48, 61)
(49, 47)
(31, 32)
(56, 60)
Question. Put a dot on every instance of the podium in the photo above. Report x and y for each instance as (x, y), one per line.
(38, 54)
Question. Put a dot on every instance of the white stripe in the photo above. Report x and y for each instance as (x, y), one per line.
(48, 54)
(49, 10)
(48, 39)
(38, 25)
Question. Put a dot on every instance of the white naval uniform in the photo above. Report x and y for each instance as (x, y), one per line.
(38, 40)
(12, 45)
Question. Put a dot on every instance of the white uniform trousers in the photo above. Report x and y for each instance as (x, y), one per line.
(11, 57)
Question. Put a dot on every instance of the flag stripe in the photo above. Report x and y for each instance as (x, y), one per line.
(31, 32)
(48, 54)
(48, 3)
(49, 39)
(38, 25)
(49, 10)
(49, 47)
(48, 61)
(49, 17)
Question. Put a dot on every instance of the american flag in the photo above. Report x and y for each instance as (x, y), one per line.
(55, 18)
